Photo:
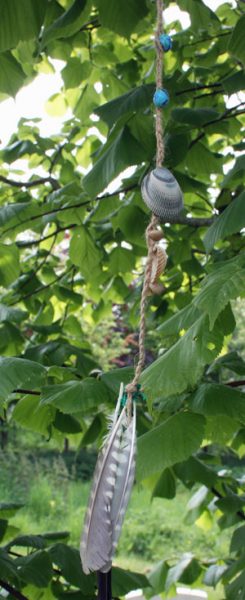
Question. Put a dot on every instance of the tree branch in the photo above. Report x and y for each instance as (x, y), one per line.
(22, 391)
(33, 183)
(197, 87)
(194, 221)
(235, 384)
(42, 287)
(6, 586)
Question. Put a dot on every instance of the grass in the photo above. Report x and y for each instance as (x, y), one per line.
(151, 532)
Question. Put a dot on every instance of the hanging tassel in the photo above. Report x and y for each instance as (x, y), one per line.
(111, 489)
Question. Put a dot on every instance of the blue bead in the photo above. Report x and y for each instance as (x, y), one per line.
(160, 98)
(166, 42)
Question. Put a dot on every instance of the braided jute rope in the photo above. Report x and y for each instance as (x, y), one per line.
(131, 387)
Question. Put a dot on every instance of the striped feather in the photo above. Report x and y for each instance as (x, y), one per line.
(111, 489)
(125, 479)
(96, 540)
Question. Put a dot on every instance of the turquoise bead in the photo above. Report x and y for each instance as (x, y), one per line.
(160, 98)
(166, 42)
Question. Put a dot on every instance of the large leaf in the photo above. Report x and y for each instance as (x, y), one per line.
(17, 373)
(66, 25)
(230, 221)
(171, 442)
(9, 264)
(134, 100)
(29, 414)
(237, 43)
(182, 319)
(201, 15)
(84, 253)
(114, 16)
(12, 76)
(75, 396)
(11, 314)
(36, 568)
(68, 560)
(225, 282)
(194, 116)
(214, 399)
(124, 582)
(121, 153)
(182, 365)
(20, 21)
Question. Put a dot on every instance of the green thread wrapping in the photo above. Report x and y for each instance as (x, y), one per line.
(137, 396)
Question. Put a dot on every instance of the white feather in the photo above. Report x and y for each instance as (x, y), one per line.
(96, 540)
(111, 489)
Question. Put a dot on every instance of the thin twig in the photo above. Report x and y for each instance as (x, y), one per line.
(9, 588)
(32, 183)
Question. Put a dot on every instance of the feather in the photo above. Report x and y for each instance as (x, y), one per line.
(112, 485)
(96, 542)
(125, 479)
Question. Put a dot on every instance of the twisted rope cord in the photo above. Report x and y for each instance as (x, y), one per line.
(131, 387)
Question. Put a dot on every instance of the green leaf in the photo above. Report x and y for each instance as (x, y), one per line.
(124, 582)
(66, 25)
(238, 539)
(192, 351)
(231, 361)
(29, 414)
(75, 396)
(18, 372)
(113, 378)
(20, 21)
(171, 442)
(157, 577)
(214, 574)
(28, 541)
(234, 83)
(36, 568)
(8, 568)
(165, 486)
(11, 314)
(9, 264)
(121, 260)
(225, 282)
(194, 470)
(3, 528)
(182, 319)
(200, 159)
(66, 423)
(236, 45)
(10, 211)
(9, 509)
(133, 101)
(201, 15)
(69, 561)
(231, 220)
(75, 72)
(235, 174)
(12, 76)
(84, 253)
(114, 16)
(123, 152)
(194, 116)
(187, 570)
(216, 399)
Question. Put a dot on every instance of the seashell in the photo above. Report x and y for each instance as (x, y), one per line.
(156, 235)
(158, 264)
(156, 288)
(162, 194)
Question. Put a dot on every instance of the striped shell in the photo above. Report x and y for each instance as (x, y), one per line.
(162, 194)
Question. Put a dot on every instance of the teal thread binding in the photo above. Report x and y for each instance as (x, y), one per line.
(137, 396)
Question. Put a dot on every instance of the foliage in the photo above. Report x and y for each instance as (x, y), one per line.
(71, 256)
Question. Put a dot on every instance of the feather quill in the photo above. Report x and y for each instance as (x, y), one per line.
(110, 493)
